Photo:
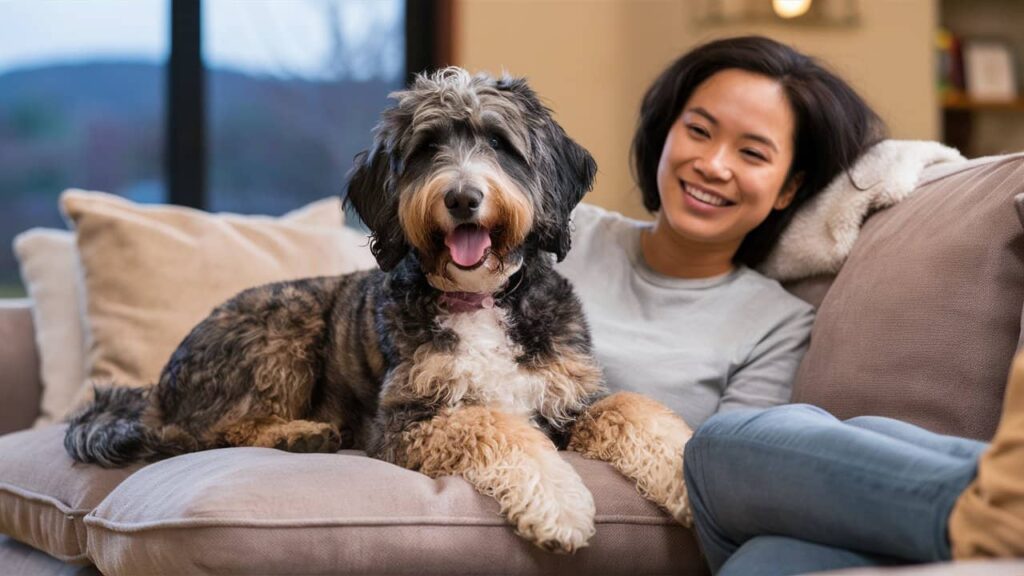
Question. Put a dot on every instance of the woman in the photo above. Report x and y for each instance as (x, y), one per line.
(733, 138)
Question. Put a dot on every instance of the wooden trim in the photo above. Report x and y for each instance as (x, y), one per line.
(444, 33)
(955, 101)
(428, 35)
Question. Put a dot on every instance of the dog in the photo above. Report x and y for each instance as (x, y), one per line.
(464, 354)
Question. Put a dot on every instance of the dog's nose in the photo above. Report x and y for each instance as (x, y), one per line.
(463, 202)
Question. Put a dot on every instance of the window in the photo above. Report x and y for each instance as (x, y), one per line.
(81, 105)
(293, 90)
(280, 97)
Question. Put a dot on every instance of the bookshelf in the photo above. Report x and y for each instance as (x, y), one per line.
(980, 127)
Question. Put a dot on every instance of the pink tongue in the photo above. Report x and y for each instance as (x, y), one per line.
(467, 244)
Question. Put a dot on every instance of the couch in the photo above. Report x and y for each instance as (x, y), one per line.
(920, 323)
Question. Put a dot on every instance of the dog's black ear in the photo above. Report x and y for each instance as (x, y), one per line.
(567, 175)
(565, 168)
(372, 192)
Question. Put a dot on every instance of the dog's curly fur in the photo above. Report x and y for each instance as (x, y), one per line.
(393, 360)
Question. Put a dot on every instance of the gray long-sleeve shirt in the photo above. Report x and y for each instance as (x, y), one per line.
(698, 346)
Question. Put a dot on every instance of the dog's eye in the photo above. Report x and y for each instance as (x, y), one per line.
(500, 143)
(426, 148)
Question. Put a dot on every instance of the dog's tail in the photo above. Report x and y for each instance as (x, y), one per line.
(110, 432)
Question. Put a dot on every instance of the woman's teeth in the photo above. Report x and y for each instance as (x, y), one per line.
(704, 196)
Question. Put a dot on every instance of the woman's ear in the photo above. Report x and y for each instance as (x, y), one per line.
(788, 191)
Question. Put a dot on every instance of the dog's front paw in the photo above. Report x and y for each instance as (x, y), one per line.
(304, 436)
(557, 511)
(561, 525)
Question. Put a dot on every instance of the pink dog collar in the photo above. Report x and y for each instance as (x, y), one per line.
(466, 301)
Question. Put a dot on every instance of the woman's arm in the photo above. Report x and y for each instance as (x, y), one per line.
(766, 378)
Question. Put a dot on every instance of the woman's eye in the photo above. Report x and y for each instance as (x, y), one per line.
(754, 154)
(697, 131)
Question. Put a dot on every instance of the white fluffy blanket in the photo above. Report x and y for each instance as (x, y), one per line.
(822, 233)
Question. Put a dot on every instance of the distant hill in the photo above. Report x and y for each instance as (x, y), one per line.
(273, 144)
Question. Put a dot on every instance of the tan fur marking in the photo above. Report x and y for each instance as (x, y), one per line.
(511, 209)
(416, 210)
(430, 376)
(508, 459)
(293, 435)
(571, 378)
(643, 440)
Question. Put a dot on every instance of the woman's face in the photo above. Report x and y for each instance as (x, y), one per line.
(724, 164)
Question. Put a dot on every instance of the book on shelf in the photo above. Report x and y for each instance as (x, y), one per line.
(950, 73)
(974, 70)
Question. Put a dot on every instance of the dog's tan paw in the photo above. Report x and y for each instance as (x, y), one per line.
(326, 441)
(564, 532)
(559, 516)
(309, 437)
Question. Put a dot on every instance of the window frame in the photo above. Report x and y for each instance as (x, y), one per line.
(428, 28)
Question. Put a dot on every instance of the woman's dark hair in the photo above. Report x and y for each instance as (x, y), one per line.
(834, 125)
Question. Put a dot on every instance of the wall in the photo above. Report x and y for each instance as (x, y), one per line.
(592, 60)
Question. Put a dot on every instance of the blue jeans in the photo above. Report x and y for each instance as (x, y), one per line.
(791, 490)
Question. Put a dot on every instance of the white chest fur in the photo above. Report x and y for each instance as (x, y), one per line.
(483, 367)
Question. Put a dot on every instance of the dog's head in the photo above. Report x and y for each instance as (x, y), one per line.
(469, 172)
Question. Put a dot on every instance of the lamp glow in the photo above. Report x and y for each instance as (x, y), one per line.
(791, 8)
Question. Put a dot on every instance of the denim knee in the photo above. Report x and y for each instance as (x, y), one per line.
(725, 423)
(732, 423)
(722, 425)
(739, 425)
(867, 421)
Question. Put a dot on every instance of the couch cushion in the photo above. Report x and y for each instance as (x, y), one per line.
(255, 510)
(923, 319)
(20, 389)
(17, 558)
(44, 495)
(153, 272)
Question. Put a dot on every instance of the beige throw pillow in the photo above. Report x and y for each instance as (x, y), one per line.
(152, 272)
(50, 272)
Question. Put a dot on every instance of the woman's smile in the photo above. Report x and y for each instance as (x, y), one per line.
(703, 198)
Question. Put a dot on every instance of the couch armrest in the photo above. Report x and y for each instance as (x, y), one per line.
(20, 388)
